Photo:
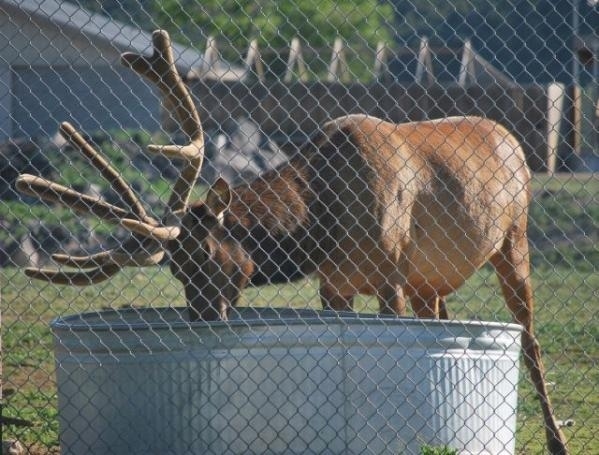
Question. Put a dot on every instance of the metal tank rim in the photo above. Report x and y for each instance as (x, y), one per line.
(139, 319)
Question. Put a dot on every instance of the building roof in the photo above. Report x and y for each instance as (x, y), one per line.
(122, 37)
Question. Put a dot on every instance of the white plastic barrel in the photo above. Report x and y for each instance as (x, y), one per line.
(283, 382)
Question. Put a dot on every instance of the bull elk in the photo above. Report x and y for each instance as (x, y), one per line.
(369, 207)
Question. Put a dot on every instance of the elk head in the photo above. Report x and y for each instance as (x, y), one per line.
(211, 264)
(150, 238)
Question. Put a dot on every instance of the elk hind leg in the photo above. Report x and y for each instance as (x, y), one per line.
(391, 300)
(513, 270)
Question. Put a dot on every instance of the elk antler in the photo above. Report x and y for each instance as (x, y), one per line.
(146, 245)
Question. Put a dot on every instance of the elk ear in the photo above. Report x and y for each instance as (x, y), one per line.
(219, 197)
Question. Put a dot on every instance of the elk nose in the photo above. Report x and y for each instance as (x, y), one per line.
(174, 218)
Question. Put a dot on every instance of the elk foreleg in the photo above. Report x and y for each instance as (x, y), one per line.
(332, 300)
(513, 270)
(392, 300)
(431, 306)
(425, 307)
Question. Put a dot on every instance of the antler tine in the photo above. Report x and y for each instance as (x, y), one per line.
(108, 172)
(161, 233)
(161, 70)
(82, 203)
(83, 278)
(146, 246)
(134, 252)
(121, 257)
(109, 258)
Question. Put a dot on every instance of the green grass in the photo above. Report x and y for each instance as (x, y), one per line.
(430, 450)
(564, 221)
(566, 330)
(564, 226)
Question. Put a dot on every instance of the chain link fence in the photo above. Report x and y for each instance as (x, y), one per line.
(321, 169)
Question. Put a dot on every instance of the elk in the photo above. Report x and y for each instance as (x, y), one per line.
(398, 211)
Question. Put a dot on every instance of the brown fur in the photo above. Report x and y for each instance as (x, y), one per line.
(396, 211)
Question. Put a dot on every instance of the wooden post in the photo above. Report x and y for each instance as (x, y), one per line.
(467, 65)
(381, 68)
(569, 158)
(555, 108)
(338, 63)
(424, 64)
(254, 59)
(210, 55)
(295, 57)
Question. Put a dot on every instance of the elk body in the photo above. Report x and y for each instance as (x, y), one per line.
(370, 207)
(397, 211)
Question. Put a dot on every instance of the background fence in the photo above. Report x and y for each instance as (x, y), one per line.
(265, 77)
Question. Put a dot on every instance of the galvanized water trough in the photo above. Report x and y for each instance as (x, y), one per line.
(283, 381)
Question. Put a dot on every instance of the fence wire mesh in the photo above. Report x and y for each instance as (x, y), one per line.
(335, 165)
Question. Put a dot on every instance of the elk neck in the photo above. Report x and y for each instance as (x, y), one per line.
(271, 218)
